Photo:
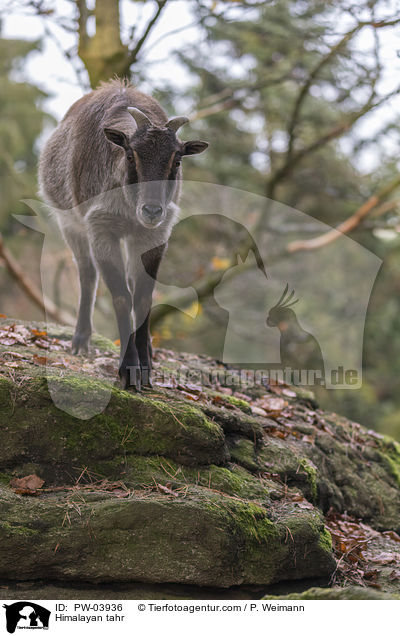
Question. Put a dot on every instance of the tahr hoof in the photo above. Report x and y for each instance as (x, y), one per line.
(131, 377)
(80, 343)
(146, 378)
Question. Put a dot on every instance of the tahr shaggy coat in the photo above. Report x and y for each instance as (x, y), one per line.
(111, 171)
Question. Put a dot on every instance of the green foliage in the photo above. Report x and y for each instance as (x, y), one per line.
(248, 76)
(21, 121)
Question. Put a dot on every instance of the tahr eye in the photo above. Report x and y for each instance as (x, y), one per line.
(129, 157)
(177, 163)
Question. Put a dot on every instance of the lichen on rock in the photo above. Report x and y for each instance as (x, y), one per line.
(178, 485)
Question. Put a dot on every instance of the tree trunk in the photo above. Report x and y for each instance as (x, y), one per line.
(103, 54)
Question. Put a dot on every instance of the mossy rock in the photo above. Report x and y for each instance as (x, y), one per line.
(148, 537)
(33, 430)
(350, 593)
(209, 495)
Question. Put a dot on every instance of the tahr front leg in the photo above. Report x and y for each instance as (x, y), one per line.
(107, 253)
(146, 269)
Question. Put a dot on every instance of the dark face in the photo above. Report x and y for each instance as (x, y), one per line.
(279, 317)
(153, 158)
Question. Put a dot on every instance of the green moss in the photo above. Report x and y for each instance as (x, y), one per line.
(4, 479)
(325, 541)
(231, 399)
(391, 460)
(311, 473)
(241, 404)
(243, 452)
(233, 480)
(351, 593)
(139, 471)
(198, 540)
(130, 423)
(252, 520)
(15, 530)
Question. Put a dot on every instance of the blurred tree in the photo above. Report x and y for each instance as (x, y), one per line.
(280, 89)
(279, 84)
(103, 53)
(21, 122)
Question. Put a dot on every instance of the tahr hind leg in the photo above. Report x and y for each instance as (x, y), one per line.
(88, 279)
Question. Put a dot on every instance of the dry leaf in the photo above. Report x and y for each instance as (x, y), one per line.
(27, 492)
(30, 482)
(40, 360)
(190, 396)
(392, 534)
(42, 344)
(273, 405)
(256, 410)
(289, 393)
(13, 354)
(39, 334)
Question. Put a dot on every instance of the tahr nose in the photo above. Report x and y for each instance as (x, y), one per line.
(152, 212)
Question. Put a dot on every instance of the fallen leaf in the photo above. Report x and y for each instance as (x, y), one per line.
(242, 396)
(39, 334)
(40, 360)
(8, 341)
(191, 388)
(27, 492)
(256, 410)
(289, 393)
(275, 432)
(118, 492)
(273, 405)
(190, 396)
(42, 344)
(13, 354)
(384, 558)
(30, 482)
(106, 364)
(392, 534)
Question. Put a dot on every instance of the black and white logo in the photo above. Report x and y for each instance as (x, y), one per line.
(26, 615)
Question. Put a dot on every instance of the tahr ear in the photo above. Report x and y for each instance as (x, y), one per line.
(194, 147)
(117, 137)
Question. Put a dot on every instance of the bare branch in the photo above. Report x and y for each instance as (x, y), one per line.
(135, 51)
(294, 119)
(205, 287)
(336, 132)
(346, 226)
(215, 108)
(31, 290)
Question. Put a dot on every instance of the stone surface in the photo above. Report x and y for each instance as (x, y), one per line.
(180, 485)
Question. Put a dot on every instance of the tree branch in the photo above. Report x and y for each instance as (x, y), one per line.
(346, 226)
(206, 285)
(31, 290)
(136, 50)
(332, 134)
(308, 83)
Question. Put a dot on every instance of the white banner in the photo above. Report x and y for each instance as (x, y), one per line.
(197, 617)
